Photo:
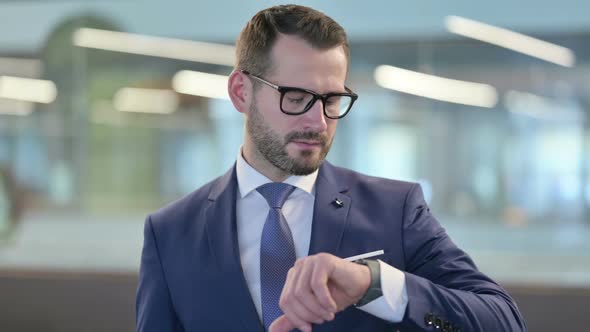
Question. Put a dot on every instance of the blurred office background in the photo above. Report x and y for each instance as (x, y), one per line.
(111, 109)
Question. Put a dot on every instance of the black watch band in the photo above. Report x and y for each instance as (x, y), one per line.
(374, 291)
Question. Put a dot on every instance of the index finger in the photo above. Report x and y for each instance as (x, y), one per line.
(281, 324)
(319, 285)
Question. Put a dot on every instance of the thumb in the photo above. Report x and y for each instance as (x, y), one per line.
(281, 324)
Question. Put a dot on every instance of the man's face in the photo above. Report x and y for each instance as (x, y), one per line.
(294, 144)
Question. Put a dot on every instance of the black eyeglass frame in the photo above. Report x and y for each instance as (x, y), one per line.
(284, 89)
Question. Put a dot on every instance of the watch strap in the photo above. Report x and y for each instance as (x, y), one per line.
(374, 291)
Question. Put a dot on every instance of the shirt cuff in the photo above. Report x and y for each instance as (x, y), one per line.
(392, 305)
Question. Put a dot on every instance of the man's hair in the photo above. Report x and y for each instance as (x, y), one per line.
(254, 45)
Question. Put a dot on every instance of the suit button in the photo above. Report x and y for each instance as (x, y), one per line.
(438, 322)
(429, 318)
(447, 327)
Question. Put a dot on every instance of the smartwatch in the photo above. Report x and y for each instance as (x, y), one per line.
(374, 291)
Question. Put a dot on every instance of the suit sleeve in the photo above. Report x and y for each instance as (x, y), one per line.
(444, 286)
(154, 309)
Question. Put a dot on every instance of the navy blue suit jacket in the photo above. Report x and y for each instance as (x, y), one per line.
(191, 277)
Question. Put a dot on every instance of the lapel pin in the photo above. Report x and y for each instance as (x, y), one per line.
(338, 202)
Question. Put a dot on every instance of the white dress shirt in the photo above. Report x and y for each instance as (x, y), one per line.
(252, 209)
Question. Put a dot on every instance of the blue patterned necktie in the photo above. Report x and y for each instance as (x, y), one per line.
(277, 251)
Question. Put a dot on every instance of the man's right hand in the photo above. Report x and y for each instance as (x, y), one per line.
(318, 287)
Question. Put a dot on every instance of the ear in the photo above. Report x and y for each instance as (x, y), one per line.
(239, 88)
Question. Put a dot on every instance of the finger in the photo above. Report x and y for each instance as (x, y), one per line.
(303, 292)
(299, 315)
(319, 286)
(281, 324)
(318, 283)
(290, 305)
(288, 289)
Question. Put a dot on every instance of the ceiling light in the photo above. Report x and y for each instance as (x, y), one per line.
(511, 40)
(145, 100)
(200, 84)
(27, 89)
(435, 87)
(180, 49)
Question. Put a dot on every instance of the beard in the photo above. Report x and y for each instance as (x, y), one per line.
(273, 147)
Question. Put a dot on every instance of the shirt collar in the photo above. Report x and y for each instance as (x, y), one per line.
(249, 179)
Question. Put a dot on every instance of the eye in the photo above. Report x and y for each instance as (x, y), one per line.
(334, 100)
(297, 97)
(296, 100)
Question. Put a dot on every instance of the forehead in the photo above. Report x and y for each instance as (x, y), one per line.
(297, 62)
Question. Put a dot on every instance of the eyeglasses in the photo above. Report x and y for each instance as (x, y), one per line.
(296, 101)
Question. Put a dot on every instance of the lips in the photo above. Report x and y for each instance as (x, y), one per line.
(307, 145)
(306, 142)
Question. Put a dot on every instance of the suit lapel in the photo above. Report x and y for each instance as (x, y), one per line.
(223, 241)
(330, 214)
(329, 222)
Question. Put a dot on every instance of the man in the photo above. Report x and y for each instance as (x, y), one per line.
(224, 257)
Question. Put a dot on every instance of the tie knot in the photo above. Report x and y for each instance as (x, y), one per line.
(275, 193)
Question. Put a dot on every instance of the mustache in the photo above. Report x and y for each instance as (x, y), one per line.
(307, 135)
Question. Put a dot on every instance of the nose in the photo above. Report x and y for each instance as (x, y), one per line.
(314, 118)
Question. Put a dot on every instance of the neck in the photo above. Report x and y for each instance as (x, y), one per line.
(259, 163)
